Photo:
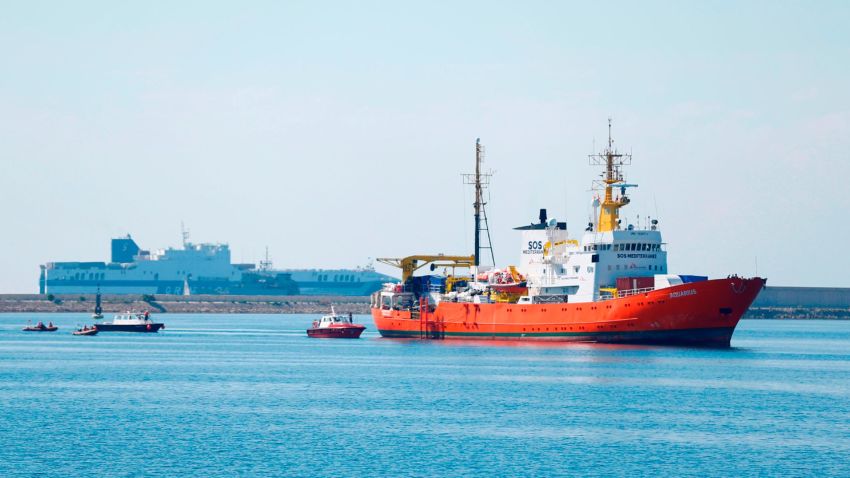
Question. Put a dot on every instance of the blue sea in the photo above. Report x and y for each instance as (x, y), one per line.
(251, 395)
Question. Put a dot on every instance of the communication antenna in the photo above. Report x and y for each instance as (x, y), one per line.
(266, 263)
(612, 177)
(184, 233)
(480, 180)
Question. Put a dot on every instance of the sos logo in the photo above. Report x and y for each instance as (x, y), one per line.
(535, 245)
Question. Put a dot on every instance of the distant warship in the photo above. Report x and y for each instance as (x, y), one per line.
(198, 269)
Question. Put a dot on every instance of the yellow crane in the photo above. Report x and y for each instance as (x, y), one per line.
(411, 264)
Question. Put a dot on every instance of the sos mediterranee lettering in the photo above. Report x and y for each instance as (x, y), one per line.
(534, 247)
(636, 256)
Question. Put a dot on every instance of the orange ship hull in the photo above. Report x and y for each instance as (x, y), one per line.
(700, 313)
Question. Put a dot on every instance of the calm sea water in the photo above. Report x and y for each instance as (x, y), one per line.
(243, 395)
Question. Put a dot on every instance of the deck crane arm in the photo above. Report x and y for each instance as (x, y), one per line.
(411, 264)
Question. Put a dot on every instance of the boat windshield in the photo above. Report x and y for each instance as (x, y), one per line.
(334, 319)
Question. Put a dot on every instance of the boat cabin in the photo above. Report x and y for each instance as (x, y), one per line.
(329, 320)
(391, 300)
(132, 318)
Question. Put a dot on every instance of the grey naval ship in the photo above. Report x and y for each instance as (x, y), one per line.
(197, 269)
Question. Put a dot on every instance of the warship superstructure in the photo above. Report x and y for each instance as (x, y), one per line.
(196, 269)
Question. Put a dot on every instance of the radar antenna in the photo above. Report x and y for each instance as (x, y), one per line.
(613, 161)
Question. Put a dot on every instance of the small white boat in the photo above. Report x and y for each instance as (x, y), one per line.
(335, 326)
(131, 322)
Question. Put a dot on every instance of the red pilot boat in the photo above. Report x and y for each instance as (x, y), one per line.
(335, 326)
(610, 284)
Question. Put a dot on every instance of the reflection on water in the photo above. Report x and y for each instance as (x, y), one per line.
(252, 395)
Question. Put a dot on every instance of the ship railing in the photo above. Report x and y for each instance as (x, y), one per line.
(626, 293)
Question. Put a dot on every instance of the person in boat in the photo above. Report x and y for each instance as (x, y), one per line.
(40, 324)
(50, 324)
(350, 318)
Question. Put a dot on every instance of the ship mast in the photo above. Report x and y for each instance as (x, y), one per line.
(613, 160)
(266, 264)
(480, 181)
(185, 234)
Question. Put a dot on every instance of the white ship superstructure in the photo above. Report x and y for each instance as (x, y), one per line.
(589, 269)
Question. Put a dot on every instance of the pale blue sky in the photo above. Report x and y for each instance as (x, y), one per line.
(333, 132)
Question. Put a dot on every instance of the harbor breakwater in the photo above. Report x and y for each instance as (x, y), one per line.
(201, 304)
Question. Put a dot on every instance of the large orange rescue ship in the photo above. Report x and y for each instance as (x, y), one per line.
(611, 286)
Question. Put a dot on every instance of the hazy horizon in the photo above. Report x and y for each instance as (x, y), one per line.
(337, 132)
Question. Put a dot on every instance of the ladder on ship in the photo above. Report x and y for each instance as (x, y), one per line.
(430, 327)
